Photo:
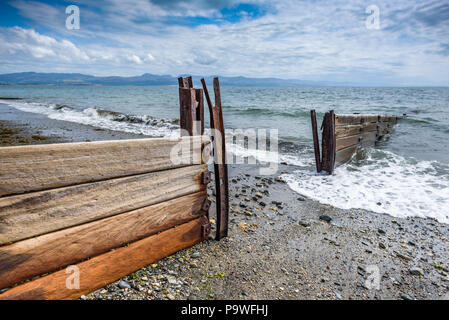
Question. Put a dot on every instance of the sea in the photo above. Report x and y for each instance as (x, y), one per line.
(406, 174)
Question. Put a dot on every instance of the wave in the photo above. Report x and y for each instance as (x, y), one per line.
(270, 112)
(383, 182)
(105, 119)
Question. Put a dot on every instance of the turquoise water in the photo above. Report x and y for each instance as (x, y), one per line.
(408, 173)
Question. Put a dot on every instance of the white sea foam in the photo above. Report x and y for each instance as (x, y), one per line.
(101, 119)
(382, 182)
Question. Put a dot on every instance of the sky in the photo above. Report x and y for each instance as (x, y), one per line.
(375, 42)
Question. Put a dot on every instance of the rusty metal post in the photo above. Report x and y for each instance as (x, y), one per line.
(220, 164)
(316, 143)
(328, 142)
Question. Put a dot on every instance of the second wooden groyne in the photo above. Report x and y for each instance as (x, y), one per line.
(343, 134)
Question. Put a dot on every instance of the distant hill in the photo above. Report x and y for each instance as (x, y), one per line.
(146, 79)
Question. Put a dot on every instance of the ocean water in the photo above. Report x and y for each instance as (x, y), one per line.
(407, 174)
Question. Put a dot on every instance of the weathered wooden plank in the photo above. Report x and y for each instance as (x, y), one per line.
(24, 259)
(348, 141)
(365, 139)
(106, 268)
(24, 216)
(344, 155)
(347, 119)
(187, 100)
(41, 167)
(388, 118)
(350, 130)
(199, 111)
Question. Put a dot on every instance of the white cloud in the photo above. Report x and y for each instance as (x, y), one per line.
(314, 40)
(19, 42)
(135, 59)
(149, 57)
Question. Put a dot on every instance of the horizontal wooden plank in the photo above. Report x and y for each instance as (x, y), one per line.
(350, 130)
(41, 167)
(365, 139)
(344, 142)
(106, 268)
(344, 155)
(346, 119)
(25, 259)
(32, 214)
(388, 118)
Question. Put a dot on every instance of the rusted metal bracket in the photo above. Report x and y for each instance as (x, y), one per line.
(205, 227)
(220, 164)
(205, 178)
(206, 205)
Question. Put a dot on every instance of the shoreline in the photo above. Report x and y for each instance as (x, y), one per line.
(281, 245)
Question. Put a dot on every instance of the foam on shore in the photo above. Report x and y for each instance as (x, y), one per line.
(380, 181)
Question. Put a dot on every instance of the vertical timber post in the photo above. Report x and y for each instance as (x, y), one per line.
(333, 142)
(220, 164)
(185, 107)
(191, 104)
(316, 143)
(328, 142)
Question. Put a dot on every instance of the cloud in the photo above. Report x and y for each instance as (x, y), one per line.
(149, 57)
(311, 40)
(17, 42)
(135, 59)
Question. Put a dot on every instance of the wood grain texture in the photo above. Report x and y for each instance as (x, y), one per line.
(41, 167)
(106, 268)
(344, 155)
(347, 119)
(26, 259)
(350, 130)
(32, 214)
(365, 139)
(187, 104)
(388, 118)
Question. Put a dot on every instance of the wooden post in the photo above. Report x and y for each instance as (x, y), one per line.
(328, 142)
(316, 143)
(191, 110)
(220, 165)
(332, 141)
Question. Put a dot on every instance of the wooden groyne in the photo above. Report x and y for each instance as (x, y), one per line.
(104, 209)
(343, 134)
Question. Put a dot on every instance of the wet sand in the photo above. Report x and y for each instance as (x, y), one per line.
(280, 245)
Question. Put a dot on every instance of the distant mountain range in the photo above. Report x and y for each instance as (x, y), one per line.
(30, 78)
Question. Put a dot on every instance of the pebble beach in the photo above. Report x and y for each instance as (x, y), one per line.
(281, 244)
